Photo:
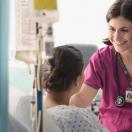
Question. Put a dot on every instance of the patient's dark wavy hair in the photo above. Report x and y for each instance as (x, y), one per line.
(65, 66)
(119, 8)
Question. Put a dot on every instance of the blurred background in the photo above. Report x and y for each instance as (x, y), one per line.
(80, 22)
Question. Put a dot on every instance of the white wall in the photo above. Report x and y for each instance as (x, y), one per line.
(81, 21)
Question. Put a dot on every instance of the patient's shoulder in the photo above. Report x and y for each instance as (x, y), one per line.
(71, 118)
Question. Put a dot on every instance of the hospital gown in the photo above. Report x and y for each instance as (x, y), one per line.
(75, 119)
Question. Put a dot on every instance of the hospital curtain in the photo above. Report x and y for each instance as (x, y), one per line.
(4, 22)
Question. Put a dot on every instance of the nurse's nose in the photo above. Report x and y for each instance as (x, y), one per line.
(117, 36)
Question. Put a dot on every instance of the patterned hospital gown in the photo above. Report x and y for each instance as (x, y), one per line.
(74, 119)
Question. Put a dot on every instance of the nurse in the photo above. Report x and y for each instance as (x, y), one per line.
(110, 68)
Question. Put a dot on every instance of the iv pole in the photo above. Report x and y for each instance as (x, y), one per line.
(32, 47)
(45, 50)
(46, 9)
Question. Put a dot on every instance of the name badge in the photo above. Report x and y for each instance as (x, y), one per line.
(128, 96)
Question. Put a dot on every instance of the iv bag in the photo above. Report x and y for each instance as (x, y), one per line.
(28, 13)
(25, 32)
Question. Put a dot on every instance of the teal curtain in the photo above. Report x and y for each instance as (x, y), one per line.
(4, 31)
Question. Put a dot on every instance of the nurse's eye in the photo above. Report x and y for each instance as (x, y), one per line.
(125, 30)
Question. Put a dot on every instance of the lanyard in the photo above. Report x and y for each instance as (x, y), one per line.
(120, 100)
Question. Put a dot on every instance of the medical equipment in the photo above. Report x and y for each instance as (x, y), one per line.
(34, 45)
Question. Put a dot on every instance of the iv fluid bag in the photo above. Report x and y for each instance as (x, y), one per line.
(45, 4)
(28, 13)
(46, 10)
(25, 32)
(49, 42)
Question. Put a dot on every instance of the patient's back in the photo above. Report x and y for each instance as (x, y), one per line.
(74, 119)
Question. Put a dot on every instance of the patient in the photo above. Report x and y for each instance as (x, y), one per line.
(63, 76)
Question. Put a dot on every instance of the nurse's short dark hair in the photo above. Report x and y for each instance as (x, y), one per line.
(120, 8)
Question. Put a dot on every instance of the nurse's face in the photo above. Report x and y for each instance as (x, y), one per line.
(120, 34)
